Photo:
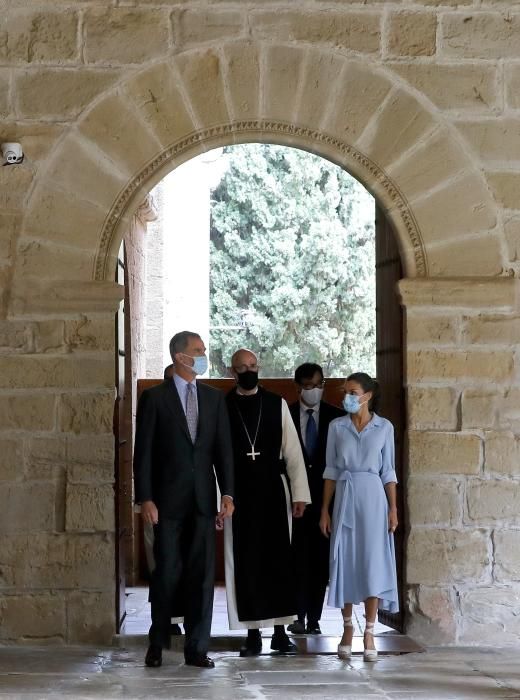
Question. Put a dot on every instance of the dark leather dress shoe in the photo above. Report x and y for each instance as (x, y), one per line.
(283, 644)
(153, 657)
(200, 660)
(313, 628)
(252, 647)
(296, 627)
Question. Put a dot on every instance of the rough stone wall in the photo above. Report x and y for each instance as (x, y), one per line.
(419, 99)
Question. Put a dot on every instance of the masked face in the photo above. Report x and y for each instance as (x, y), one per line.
(247, 380)
(200, 363)
(312, 397)
(352, 403)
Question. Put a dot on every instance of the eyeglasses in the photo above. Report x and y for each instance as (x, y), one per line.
(244, 368)
(310, 385)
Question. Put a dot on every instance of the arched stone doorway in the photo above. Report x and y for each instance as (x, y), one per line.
(362, 117)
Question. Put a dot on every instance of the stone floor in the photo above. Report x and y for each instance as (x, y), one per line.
(83, 673)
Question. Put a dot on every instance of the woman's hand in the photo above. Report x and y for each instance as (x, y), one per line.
(325, 523)
(392, 520)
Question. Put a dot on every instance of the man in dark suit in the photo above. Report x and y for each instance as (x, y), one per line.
(182, 439)
(311, 417)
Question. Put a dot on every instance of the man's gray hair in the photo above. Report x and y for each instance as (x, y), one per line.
(179, 342)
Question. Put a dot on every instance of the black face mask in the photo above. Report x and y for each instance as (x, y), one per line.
(247, 380)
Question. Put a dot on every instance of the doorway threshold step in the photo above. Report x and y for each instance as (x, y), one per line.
(387, 644)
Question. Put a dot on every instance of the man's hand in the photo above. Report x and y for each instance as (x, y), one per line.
(226, 507)
(149, 512)
(325, 523)
(298, 509)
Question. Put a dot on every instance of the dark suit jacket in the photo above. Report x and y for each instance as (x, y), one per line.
(168, 468)
(315, 471)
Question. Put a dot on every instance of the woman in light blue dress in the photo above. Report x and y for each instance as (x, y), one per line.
(361, 470)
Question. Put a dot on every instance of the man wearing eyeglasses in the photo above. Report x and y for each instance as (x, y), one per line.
(270, 490)
(311, 417)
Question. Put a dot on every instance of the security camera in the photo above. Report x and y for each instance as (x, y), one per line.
(12, 153)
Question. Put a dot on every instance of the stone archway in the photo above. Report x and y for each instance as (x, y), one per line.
(366, 119)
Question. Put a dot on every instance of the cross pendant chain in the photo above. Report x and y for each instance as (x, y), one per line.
(252, 454)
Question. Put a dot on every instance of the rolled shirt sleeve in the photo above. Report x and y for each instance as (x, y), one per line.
(292, 454)
(331, 471)
(387, 471)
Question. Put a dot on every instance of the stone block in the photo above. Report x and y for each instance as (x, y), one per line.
(46, 456)
(49, 336)
(479, 408)
(136, 35)
(493, 500)
(38, 139)
(36, 257)
(493, 139)
(90, 561)
(455, 293)
(160, 103)
(469, 256)
(467, 207)
(512, 236)
(9, 228)
(201, 74)
(33, 616)
(12, 460)
(193, 27)
(444, 453)
(113, 127)
(15, 184)
(27, 411)
(59, 93)
(90, 333)
(435, 365)
(359, 95)
(87, 412)
(243, 74)
(280, 81)
(434, 502)
(353, 30)
(14, 336)
(5, 104)
(39, 371)
(509, 409)
(494, 329)
(90, 459)
(422, 329)
(40, 37)
(433, 615)
(501, 453)
(322, 77)
(90, 617)
(411, 33)
(27, 506)
(89, 507)
(447, 556)
(432, 408)
(480, 35)
(512, 85)
(490, 614)
(33, 561)
(507, 555)
(435, 160)
(400, 125)
(505, 187)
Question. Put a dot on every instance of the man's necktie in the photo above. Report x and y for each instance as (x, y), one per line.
(311, 434)
(191, 411)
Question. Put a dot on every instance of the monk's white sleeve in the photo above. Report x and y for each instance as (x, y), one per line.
(292, 454)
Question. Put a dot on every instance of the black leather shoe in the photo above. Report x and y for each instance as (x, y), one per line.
(153, 656)
(283, 644)
(252, 647)
(313, 628)
(175, 630)
(297, 627)
(200, 660)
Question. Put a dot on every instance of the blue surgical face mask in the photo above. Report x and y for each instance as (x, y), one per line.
(200, 364)
(351, 403)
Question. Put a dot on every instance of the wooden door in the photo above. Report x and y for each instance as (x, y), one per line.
(389, 368)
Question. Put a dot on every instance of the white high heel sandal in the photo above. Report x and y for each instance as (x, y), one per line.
(369, 654)
(344, 650)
